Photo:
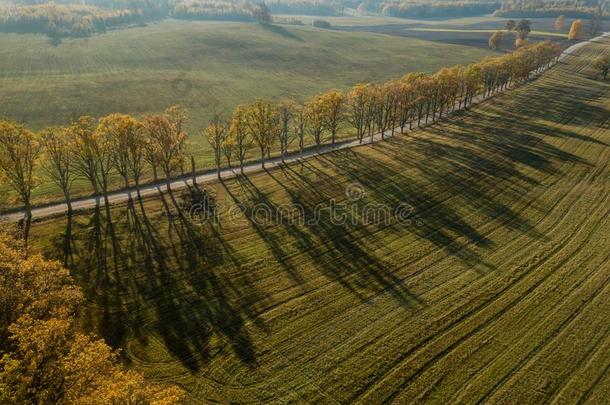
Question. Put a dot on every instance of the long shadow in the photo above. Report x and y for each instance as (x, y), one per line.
(279, 30)
(167, 277)
(338, 249)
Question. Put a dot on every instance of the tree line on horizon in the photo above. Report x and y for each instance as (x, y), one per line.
(67, 18)
(119, 144)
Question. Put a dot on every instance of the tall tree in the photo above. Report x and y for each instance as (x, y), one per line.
(59, 160)
(560, 23)
(215, 134)
(358, 100)
(228, 145)
(495, 41)
(239, 134)
(332, 104)
(300, 125)
(128, 146)
(263, 126)
(286, 111)
(104, 151)
(575, 30)
(166, 143)
(82, 136)
(523, 29)
(315, 113)
(19, 153)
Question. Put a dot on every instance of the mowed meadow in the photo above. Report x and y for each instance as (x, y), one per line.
(493, 288)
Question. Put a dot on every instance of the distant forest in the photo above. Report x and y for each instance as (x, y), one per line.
(64, 18)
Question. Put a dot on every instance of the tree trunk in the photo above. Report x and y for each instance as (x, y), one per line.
(26, 224)
(68, 201)
(137, 181)
(193, 171)
(126, 181)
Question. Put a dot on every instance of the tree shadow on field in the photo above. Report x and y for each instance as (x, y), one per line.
(279, 30)
(173, 280)
(340, 251)
(437, 221)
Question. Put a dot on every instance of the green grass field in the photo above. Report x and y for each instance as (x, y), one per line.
(497, 291)
(206, 66)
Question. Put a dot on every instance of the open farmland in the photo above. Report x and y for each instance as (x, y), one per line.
(470, 31)
(206, 66)
(496, 289)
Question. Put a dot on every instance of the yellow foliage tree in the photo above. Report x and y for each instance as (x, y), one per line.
(215, 133)
(263, 125)
(19, 152)
(46, 359)
(575, 30)
(560, 23)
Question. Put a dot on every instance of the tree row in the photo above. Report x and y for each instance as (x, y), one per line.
(119, 144)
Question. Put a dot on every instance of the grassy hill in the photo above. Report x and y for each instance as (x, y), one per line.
(494, 287)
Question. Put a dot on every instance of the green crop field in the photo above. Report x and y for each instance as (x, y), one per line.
(209, 67)
(493, 287)
(206, 66)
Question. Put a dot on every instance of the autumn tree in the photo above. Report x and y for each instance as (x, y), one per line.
(560, 23)
(286, 111)
(239, 134)
(495, 41)
(332, 104)
(128, 146)
(380, 104)
(407, 99)
(82, 136)
(300, 125)
(228, 146)
(316, 116)
(177, 116)
(166, 141)
(263, 126)
(575, 30)
(358, 108)
(103, 147)
(46, 357)
(58, 160)
(473, 80)
(215, 134)
(19, 152)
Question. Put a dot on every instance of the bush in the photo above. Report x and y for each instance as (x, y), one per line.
(321, 24)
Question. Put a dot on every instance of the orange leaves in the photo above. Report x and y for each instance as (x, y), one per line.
(576, 30)
(46, 359)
